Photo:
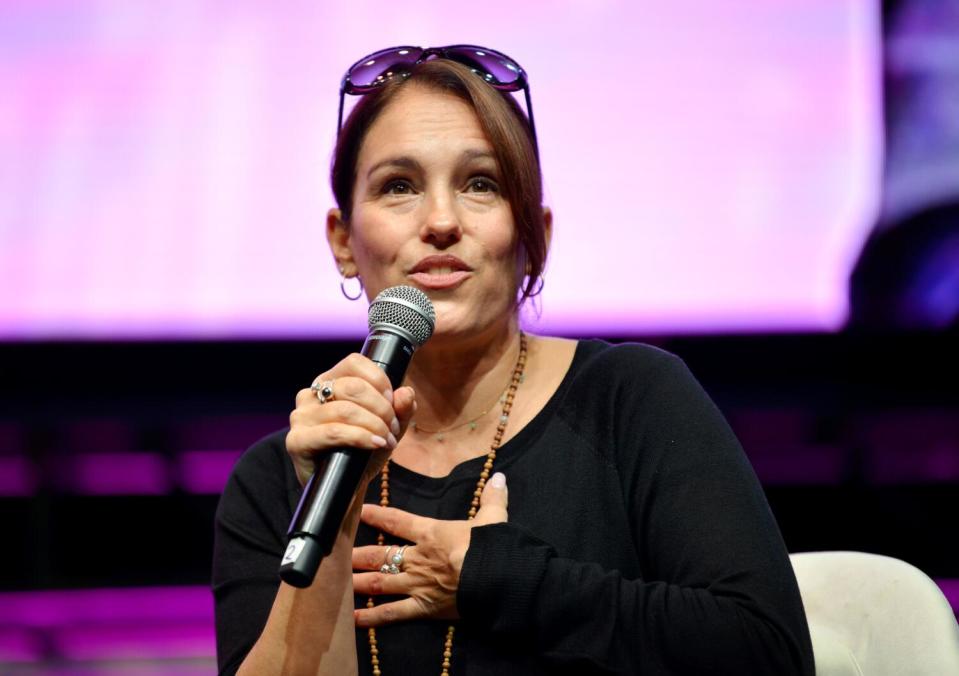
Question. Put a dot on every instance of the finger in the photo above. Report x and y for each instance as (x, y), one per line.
(359, 391)
(374, 584)
(309, 439)
(370, 557)
(388, 613)
(362, 367)
(306, 396)
(396, 522)
(404, 404)
(493, 501)
(346, 412)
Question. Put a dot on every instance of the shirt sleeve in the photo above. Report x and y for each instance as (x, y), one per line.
(717, 593)
(249, 538)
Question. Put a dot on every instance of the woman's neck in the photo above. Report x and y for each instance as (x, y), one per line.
(457, 378)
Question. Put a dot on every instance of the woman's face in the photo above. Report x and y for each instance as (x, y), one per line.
(428, 212)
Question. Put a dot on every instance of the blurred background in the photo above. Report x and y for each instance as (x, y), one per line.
(770, 190)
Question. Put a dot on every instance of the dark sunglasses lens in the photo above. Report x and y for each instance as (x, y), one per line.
(379, 67)
(495, 68)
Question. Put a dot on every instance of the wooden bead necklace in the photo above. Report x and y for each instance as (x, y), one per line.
(507, 401)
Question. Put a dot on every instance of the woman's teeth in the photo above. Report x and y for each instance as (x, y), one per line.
(441, 271)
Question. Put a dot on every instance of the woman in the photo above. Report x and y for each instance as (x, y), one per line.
(637, 539)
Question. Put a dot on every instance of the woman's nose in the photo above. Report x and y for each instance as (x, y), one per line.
(441, 225)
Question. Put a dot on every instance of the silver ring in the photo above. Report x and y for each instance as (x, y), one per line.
(385, 568)
(323, 390)
(394, 562)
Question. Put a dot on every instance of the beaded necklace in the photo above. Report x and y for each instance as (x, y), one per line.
(507, 400)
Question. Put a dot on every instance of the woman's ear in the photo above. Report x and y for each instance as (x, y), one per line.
(338, 237)
(548, 225)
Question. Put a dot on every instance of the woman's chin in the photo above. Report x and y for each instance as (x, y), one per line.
(450, 330)
(456, 327)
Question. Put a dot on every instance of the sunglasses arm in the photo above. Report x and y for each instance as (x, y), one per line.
(339, 116)
(529, 112)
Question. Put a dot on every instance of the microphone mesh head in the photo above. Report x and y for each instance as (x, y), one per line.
(405, 307)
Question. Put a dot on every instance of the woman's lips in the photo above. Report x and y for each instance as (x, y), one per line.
(440, 271)
(439, 279)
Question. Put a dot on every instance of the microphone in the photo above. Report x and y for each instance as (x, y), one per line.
(401, 319)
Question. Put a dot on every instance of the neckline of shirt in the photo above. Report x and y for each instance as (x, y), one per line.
(468, 470)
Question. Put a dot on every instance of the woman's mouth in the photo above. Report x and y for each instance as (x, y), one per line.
(439, 278)
(440, 272)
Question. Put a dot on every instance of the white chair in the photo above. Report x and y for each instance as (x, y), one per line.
(872, 615)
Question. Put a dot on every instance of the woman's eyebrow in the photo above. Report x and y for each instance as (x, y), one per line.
(402, 162)
(477, 154)
(406, 162)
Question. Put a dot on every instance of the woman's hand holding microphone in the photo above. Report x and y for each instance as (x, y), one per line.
(363, 412)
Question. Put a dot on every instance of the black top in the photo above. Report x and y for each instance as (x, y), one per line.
(639, 541)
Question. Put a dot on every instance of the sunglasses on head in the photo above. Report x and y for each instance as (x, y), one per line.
(495, 68)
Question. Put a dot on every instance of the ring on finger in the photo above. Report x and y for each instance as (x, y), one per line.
(323, 390)
(386, 559)
(394, 562)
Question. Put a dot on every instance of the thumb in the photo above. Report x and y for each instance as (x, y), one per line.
(493, 501)
(404, 406)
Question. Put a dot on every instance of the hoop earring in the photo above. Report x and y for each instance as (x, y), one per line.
(359, 292)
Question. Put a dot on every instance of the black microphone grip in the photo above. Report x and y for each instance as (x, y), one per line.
(329, 492)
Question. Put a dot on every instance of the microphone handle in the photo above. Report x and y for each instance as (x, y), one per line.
(329, 492)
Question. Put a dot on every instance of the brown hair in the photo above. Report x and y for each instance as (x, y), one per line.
(505, 125)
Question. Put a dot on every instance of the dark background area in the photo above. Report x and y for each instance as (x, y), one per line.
(811, 411)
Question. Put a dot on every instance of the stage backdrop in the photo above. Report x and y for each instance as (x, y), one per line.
(163, 166)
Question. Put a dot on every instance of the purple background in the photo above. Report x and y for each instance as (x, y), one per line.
(163, 166)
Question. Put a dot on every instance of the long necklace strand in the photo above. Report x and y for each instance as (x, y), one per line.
(514, 383)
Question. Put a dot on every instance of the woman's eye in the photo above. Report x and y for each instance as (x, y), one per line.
(398, 187)
(480, 184)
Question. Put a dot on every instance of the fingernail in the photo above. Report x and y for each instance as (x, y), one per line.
(392, 440)
(378, 440)
(498, 480)
(395, 426)
(389, 395)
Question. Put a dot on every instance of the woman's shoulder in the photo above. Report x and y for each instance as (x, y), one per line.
(600, 378)
(627, 393)
(625, 363)
(609, 379)
(262, 485)
(264, 463)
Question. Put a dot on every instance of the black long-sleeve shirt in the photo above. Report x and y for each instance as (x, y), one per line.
(639, 541)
